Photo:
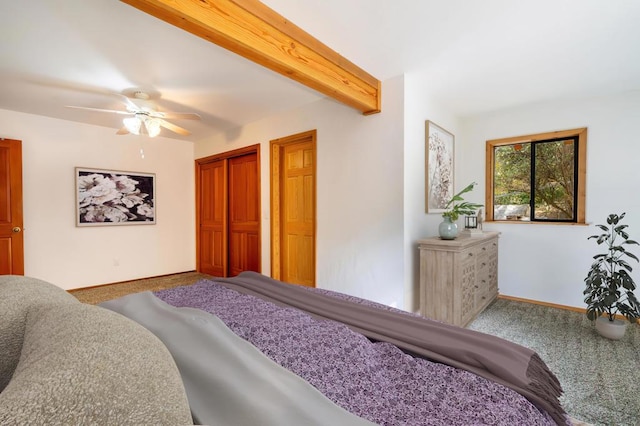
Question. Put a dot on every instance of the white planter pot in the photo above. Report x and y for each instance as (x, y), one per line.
(613, 330)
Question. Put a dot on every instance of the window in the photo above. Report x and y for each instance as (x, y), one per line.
(537, 178)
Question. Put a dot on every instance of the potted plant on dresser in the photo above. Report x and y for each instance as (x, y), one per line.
(609, 285)
(448, 229)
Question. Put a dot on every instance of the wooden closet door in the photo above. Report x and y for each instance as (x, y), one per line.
(244, 214)
(212, 247)
(228, 212)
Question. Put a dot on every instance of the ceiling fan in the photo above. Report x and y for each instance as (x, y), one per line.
(145, 118)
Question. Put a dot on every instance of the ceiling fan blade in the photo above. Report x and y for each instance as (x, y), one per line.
(176, 129)
(175, 115)
(123, 131)
(101, 110)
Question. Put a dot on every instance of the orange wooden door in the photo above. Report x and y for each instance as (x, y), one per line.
(244, 214)
(11, 236)
(298, 213)
(212, 213)
(228, 212)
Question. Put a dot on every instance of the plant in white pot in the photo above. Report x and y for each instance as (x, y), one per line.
(448, 229)
(609, 285)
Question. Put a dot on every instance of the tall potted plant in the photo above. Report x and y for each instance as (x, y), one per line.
(609, 285)
(448, 229)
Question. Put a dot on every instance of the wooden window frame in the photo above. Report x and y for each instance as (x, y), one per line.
(580, 134)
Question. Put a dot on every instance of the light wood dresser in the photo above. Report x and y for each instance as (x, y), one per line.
(458, 278)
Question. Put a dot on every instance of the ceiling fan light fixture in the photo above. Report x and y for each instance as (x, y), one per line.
(132, 124)
(144, 119)
(152, 126)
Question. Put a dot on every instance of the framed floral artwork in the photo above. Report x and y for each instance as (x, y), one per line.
(439, 154)
(110, 197)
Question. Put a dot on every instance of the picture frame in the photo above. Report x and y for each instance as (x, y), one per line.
(114, 197)
(439, 167)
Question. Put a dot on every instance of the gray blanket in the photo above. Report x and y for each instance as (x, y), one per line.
(227, 380)
(509, 364)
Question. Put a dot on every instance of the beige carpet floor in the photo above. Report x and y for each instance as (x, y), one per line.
(95, 295)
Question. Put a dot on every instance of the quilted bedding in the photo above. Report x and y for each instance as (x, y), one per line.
(371, 379)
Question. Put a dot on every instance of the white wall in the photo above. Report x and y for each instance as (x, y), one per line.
(359, 191)
(549, 262)
(71, 257)
(419, 107)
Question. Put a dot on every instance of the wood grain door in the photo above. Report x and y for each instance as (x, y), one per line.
(294, 209)
(228, 212)
(244, 214)
(11, 235)
(212, 209)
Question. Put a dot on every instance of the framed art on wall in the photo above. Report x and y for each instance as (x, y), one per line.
(110, 197)
(439, 154)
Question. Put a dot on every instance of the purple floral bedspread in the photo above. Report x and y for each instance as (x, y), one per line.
(376, 381)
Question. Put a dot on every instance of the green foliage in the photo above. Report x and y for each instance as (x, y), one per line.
(554, 180)
(512, 174)
(609, 286)
(455, 210)
(553, 186)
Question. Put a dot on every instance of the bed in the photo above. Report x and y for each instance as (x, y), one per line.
(295, 355)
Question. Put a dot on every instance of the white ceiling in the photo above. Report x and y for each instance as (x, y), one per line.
(479, 56)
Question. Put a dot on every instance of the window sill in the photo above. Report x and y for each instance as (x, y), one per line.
(528, 222)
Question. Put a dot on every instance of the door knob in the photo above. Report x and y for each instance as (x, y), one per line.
(16, 229)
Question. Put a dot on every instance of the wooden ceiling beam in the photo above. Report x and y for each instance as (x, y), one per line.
(256, 32)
